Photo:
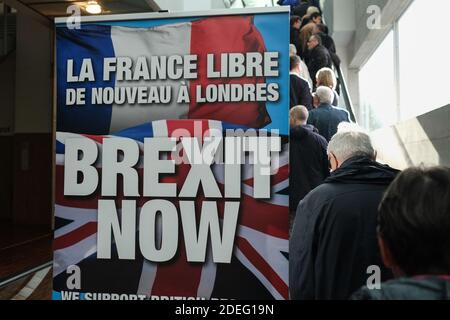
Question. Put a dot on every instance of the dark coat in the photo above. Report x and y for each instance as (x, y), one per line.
(308, 162)
(326, 119)
(419, 288)
(292, 3)
(334, 238)
(300, 93)
(315, 3)
(301, 9)
(318, 58)
(295, 39)
(328, 43)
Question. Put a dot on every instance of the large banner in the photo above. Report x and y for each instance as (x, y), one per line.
(172, 157)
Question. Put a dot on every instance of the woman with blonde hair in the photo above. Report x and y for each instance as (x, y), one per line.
(327, 78)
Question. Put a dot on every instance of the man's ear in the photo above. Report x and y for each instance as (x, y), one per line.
(336, 160)
(375, 155)
(386, 254)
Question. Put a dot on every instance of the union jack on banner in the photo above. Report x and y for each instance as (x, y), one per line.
(259, 267)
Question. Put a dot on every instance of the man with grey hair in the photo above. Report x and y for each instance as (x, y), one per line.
(334, 238)
(325, 117)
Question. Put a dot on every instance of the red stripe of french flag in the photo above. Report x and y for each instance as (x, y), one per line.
(227, 34)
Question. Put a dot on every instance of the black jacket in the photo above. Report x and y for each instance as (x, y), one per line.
(318, 58)
(326, 119)
(302, 8)
(334, 237)
(308, 162)
(295, 40)
(419, 288)
(300, 93)
(328, 43)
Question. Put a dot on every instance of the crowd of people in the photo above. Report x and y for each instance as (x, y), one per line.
(359, 229)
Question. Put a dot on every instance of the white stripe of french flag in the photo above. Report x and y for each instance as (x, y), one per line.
(228, 34)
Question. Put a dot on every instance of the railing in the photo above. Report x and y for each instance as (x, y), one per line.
(345, 94)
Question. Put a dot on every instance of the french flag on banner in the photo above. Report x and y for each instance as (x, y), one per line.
(228, 34)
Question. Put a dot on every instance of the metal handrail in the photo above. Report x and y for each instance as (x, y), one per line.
(346, 94)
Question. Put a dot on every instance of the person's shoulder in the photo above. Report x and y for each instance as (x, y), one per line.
(313, 114)
(304, 82)
(430, 288)
(319, 197)
(341, 111)
(319, 110)
(367, 294)
(314, 134)
(320, 139)
(294, 78)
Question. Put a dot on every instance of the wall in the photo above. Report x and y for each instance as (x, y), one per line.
(190, 5)
(355, 42)
(217, 4)
(33, 76)
(367, 40)
(32, 141)
(171, 5)
(361, 30)
(422, 140)
(197, 5)
(328, 14)
(7, 84)
(425, 139)
(6, 178)
(7, 97)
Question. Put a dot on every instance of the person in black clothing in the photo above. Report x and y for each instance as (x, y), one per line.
(308, 157)
(301, 9)
(300, 93)
(318, 57)
(414, 237)
(334, 237)
(295, 33)
(328, 42)
(291, 3)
